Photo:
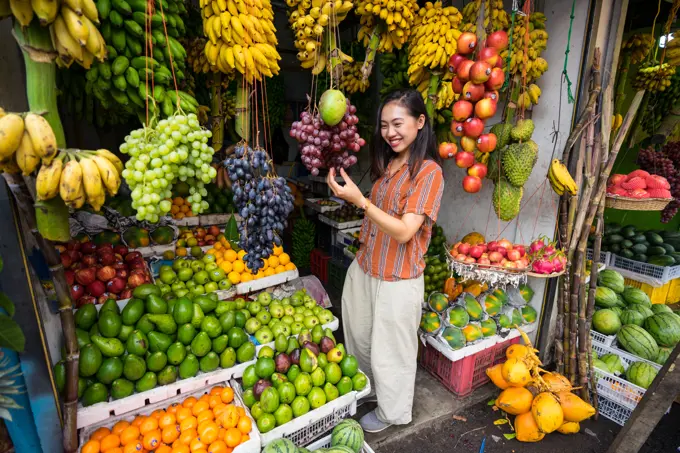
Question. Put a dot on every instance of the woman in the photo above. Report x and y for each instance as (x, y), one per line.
(384, 287)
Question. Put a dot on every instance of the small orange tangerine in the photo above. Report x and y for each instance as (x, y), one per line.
(199, 407)
(150, 424)
(119, 427)
(92, 446)
(219, 446)
(205, 416)
(180, 448)
(245, 438)
(167, 420)
(214, 400)
(109, 442)
(187, 436)
(233, 437)
(182, 414)
(200, 450)
(241, 411)
(100, 433)
(172, 409)
(129, 435)
(114, 450)
(138, 420)
(135, 447)
(205, 398)
(217, 410)
(209, 433)
(221, 433)
(157, 414)
(227, 395)
(164, 449)
(245, 425)
(216, 390)
(152, 439)
(189, 402)
(188, 423)
(170, 434)
(229, 417)
(196, 444)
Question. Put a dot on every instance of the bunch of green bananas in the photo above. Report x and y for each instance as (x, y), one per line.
(672, 56)
(536, 41)
(196, 58)
(393, 67)
(660, 104)
(228, 105)
(654, 77)
(276, 101)
(493, 9)
(394, 19)
(351, 81)
(638, 45)
(304, 233)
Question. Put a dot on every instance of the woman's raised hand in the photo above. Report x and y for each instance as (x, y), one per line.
(349, 192)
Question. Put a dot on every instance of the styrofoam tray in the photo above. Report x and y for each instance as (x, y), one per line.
(102, 411)
(187, 221)
(454, 356)
(226, 294)
(345, 237)
(304, 429)
(325, 442)
(216, 219)
(312, 203)
(267, 282)
(340, 226)
(155, 250)
(606, 340)
(251, 446)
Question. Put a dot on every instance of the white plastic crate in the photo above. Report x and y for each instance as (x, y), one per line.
(605, 257)
(345, 238)
(325, 442)
(340, 226)
(251, 446)
(217, 219)
(187, 221)
(313, 203)
(308, 427)
(604, 349)
(606, 340)
(612, 410)
(644, 272)
(267, 282)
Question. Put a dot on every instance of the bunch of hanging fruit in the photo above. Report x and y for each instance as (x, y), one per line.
(541, 402)
(478, 77)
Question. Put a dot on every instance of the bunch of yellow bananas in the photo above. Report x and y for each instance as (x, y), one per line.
(80, 176)
(241, 35)
(654, 77)
(196, 57)
(673, 51)
(560, 178)
(351, 79)
(25, 141)
(529, 97)
(309, 20)
(394, 19)
(493, 9)
(228, 105)
(536, 42)
(639, 45)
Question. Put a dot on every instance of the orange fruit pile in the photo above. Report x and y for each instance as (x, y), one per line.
(233, 265)
(180, 208)
(209, 424)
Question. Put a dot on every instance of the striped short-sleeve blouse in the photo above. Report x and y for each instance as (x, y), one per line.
(381, 256)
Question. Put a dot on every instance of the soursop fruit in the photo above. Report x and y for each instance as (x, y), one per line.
(506, 199)
(495, 164)
(502, 132)
(523, 130)
(518, 161)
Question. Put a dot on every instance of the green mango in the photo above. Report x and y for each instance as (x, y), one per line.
(164, 323)
(176, 353)
(245, 352)
(144, 324)
(59, 372)
(146, 382)
(206, 303)
(134, 367)
(159, 341)
(211, 326)
(220, 343)
(308, 361)
(111, 369)
(344, 385)
(201, 344)
(183, 311)
(227, 321)
(281, 343)
(317, 333)
(109, 347)
(109, 305)
(237, 336)
(168, 375)
(86, 316)
(155, 305)
(156, 361)
(125, 332)
(109, 324)
(132, 312)
(186, 333)
(90, 360)
(95, 393)
(189, 367)
(228, 358)
(209, 362)
(197, 316)
(137, 343)
(121, 388)
(83, 337)
(142, 291)
(292, 345)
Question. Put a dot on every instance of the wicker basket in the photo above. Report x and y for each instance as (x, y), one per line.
(553, 275)
(637, 204)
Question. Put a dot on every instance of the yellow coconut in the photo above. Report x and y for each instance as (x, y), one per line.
(547, 412)
(574, 408)
(569, 428)
(517, 351)
(516, 373)
(515, 400)
(557, 383)
(526, 428)
(496, 375)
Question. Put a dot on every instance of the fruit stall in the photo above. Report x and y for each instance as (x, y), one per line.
(183, 258)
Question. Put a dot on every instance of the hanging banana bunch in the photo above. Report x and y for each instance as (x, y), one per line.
(639, 45)
(673, 51)
(310, 22)
(493, 12)
(535, 42)
(393, 67)
(351, 81)
(241, 35)
(654, 77)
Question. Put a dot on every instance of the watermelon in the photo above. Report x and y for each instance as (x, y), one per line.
(473, 307)
(661, 308)
(636, 296)
(430, 322)
(458, 317)
(593, 352)
(492, 304)
(611, 279)
(280, 446)
(664, 328)
(517, 318)
(663, 355)
(529, 314)
(617, 310)
(349, 434)
(454, 337)
(605, 297)
(614, 363)
(472, 332)
(620, 302)
(641, 374)
(638, 341)
(632, 317)
(489, 327)
(438, 302)
(526, 292)
(500, 295)
(504, 321)
(338, 449)
(606, 322)
(600, 365)
(303, 450)
(645, 311)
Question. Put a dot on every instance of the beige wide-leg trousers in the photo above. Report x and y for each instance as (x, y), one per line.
(380, 321)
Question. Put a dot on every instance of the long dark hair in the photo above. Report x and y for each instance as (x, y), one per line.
(424, 147)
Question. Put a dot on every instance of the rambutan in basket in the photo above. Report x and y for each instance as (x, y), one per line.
(637, 204)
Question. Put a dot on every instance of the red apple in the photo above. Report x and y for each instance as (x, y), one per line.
(66, 260)
(74, 255)
(472, 184)
(470, 260)
(77, 291)
(465, 159)
(513, 255)
(122, 273)
(480, 71)
(103, 247)
(496, 79)
(484, 260)
(137, 264)
(86, 275)
(502, 250)
(119, 265)
(116, 285)
(489, 55)
(70, 276)
(135, 280)
(476, 251)
(487, 142)
(461, 111)
(106, 273)
(493, 95)
(447, 150)
(478, 169)
(454, 61)
(507, 245)
(495, 257)
(120, 250)
(473, 127)
(132, 255)
(493, 245)
(463, 70)
(473, 92)
(466, 43)
(457, 85)
(73, 245)
(107, 259)
(486, 108)
(468, 144)
(201, 243)
(106, 296)
(96, 288)
(457, 128)
(126, 294)
(522, 251)
(464, 248)
(85, 300)
(461, 257)
(498, 40)
(88, 247)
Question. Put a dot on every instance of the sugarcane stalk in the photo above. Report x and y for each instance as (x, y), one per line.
(511, 106)
(241, 119)
(371, 51)
(576, 201)
(432, 96)
(334, 60)
(624, 68)
(216, 112)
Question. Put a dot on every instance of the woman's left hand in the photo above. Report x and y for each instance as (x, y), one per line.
(349, 192)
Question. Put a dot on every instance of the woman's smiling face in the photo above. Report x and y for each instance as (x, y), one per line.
(398, 127)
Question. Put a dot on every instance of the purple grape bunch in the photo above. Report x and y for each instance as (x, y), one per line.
(263, 200)
(324, 146)
(663, 163)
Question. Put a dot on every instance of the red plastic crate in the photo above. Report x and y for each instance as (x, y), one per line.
(465, 375)
(319, 264)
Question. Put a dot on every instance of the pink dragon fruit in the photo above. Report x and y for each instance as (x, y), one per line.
(543, 266)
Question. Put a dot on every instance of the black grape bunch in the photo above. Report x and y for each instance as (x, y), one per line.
(263, 200)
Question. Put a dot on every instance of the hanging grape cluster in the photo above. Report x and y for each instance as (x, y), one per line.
(175, 149)
(663, 163)
(262, 199)
(323, 146)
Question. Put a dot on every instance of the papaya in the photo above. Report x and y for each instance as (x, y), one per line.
(136, 237)
(163, 235)
(106, 237)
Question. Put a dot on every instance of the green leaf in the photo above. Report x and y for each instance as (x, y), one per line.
(2, 264)
(6, 304)
(510, 436)
(7, 402)
(491, 403)
(11, 335)
(231, 230)
(500, 421)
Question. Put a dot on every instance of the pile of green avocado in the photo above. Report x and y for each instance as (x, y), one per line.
(154, 342)
(661, 248)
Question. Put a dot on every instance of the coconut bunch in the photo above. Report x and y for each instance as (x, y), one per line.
(541, 402)
(527, 47)
(493, 13)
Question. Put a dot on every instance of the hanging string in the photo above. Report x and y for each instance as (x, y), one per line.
(656, 48)
(509, 57)
(570, 95)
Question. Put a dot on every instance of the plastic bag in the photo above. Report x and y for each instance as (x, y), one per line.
(515, 297)
(309, 283)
